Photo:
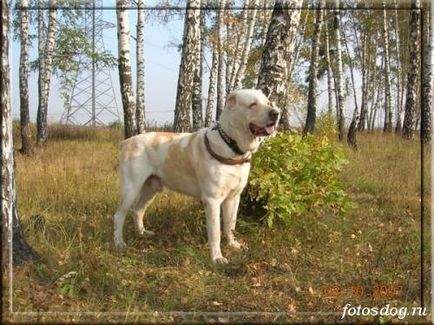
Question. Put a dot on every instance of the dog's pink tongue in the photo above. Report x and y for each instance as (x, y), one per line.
(270, 129)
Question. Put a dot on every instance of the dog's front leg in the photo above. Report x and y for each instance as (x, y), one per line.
(230, 210)
(212, 210)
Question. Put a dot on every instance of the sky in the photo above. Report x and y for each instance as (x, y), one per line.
(162, 60)
(161, 69)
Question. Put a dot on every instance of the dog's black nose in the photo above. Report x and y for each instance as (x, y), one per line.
(274, 115)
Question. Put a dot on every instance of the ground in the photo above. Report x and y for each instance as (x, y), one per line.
(68, 192)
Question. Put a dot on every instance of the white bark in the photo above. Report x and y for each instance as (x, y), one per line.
(246, 49)
(388, 96)
(329, 71)
(278, 50)
(124, 65)
(427, 76)
(398, 72)
(23, 79)
(212, 87)
(45, 75)
(197, 78)
(313, 70)
(339, 75)
(240, 44)
(414, 56)
(187, 67)
(140, 65)
(221, 62)
(7, 163)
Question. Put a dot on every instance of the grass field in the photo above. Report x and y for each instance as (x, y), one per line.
(67, 194)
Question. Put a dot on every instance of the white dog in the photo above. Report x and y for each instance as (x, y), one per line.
(212, 164)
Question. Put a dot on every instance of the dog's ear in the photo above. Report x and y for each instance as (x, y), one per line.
(231, 100)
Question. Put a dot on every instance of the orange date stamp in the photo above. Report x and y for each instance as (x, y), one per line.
(374, 291)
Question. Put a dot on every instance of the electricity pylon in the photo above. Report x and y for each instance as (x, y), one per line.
(93, 101)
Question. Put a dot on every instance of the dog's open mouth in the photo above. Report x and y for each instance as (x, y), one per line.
(267, 130)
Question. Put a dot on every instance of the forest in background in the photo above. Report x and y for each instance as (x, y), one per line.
(377, 57)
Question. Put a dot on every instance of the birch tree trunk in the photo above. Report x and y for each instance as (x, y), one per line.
(414, 57)
(15, 249)
(26, 141)
(278, 50)
(45, 76)
(388, 96)
(221, 64)
(212, 86)
(197, 79)
(240, 43)
(124, 66)
(427, 75)
(187, 67)
(366, 59)
(398, 73)
(329, 71)
(339, 74)
(313, 70)
(140, 65)
(352, 130)
(41, 54)
(230, 44)
(246, 49)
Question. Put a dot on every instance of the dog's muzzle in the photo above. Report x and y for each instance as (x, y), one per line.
(273, 115)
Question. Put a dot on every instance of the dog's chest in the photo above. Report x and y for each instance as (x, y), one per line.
(234, 179)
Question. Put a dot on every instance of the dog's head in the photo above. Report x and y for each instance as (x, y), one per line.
(250, 109)
(249, 116)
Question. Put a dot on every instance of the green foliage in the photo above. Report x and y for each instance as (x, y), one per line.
(292, 175)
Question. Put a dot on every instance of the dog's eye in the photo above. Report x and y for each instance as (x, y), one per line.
(252, 105)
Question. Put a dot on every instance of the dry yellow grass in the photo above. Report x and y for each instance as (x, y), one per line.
(67, 194)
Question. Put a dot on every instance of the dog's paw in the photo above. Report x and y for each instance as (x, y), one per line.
(238, 245)
(120, 245)
(147, 233)
(220, 261)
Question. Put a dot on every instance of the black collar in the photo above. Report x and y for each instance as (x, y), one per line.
(227, 139)
(226, 161)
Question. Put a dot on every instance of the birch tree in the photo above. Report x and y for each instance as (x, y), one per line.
(365, 67)
(26, 144)
(187, 67)
(309, 126)
(212, 84)
(246, 48)
(388, 96)
(197, 78)
(240, 31)
(339, 74)
(398, 126)
(412, 75)
(329, 70)
(13, 240)
(352, 130)
(124, 66)
(427, 74)
(278, 48)
(221, 66)
(45, 73)
(140, 66)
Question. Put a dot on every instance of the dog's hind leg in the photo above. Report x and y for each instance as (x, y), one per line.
(131, 185)
(151, 187)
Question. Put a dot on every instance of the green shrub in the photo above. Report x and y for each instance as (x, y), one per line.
(326, 126)
(292, 175)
